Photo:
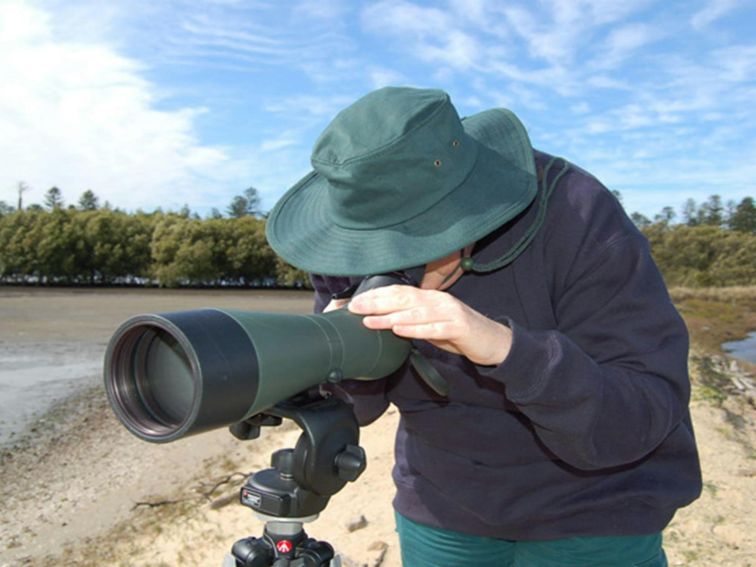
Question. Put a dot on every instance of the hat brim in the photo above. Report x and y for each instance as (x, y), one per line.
(501, 184)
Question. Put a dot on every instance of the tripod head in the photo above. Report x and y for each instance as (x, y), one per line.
(299, 483)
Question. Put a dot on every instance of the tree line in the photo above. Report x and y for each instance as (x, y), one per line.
(707, 244)
(93, 244)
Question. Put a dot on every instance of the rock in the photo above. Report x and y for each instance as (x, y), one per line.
(377, 546)
(381, 547)
(357, 523)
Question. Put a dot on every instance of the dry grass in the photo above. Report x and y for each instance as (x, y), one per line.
(735, 293)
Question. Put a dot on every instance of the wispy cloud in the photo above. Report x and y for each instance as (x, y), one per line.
(81, 116)
(622, 42)
(296, 106)
(165, 102)
(429, 33)
(613, 85)
(713, 10)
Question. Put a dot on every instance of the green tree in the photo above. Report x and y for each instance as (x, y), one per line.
(5, 208)
(253, 201)
(667, 215)
(744, 217)
(250, 259)
(735, 259)
(289, 276)
(238, 207)
(55, 243)
(730, 209)
(89, 201)
(247, 204)
(18, 257)
(712, 211)
(640, 220)
(184, 252)
(703, 255)
(690, 213)
(54, 198)
(115, 246)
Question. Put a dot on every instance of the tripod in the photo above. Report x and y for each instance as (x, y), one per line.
(299, 483)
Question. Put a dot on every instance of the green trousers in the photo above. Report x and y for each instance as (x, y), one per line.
(425, 546)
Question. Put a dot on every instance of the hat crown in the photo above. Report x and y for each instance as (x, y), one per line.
(392, 155)
(374, 121)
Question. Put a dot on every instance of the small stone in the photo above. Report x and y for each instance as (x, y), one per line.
(357, 523)
(377, 546)
(381, 547)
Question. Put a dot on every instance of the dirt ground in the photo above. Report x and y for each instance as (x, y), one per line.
(80, 490)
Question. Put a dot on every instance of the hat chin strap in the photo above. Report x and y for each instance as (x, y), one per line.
(468, 264)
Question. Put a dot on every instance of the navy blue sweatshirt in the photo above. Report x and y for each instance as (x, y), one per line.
(584, 429)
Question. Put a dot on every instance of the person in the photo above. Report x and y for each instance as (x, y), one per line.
(564, 437)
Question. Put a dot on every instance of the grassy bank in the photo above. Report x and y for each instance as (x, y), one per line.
(717, 314)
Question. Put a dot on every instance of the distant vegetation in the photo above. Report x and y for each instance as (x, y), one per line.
(89, 244)
(92, 244)
(712, 245)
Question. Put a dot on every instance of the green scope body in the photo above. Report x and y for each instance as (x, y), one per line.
(168, 375)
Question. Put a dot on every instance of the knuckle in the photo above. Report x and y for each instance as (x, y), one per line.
(416, 314)
(404, 299)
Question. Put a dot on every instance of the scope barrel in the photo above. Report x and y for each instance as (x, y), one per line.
(168, 375)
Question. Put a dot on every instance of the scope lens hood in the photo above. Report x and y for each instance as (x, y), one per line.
(171, 374)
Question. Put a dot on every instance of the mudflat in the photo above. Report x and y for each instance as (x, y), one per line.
(78, 489)
(52, 341)
(30, 314)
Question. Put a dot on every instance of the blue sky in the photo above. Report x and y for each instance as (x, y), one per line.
(188, 102)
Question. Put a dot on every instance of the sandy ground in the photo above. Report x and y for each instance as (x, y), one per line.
(80, 490)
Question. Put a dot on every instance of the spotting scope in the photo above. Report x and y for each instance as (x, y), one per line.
(168, 375)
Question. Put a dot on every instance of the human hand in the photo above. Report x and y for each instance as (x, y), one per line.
(437, 317)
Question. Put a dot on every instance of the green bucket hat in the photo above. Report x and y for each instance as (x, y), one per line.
(398, 181)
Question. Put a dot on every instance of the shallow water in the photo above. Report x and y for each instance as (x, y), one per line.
(745, 348)
(33, 376)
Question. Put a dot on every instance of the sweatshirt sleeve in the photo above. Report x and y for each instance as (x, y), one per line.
(608, 385)
(367, 397)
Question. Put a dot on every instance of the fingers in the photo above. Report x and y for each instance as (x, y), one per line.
(390, 299)
(413, 316)
(412, 313)
(439, 330)
(435, 316)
